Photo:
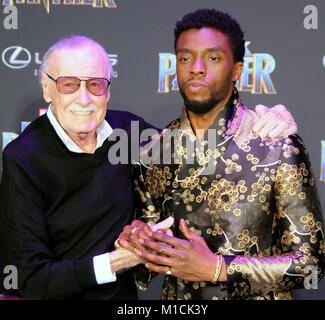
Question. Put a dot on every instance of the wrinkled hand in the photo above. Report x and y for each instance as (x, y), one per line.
(274, 122)
(122, 258)
(190, 259)
(132, 236)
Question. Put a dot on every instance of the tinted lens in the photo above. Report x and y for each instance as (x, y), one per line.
(68, 84)
(97, 86)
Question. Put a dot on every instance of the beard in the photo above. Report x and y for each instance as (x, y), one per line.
(201, 107)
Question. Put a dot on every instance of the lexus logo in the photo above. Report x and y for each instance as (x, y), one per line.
(16, 57)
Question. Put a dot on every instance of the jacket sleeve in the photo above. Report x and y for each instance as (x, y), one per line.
(298, 255)
(23, 228)
(149, 211)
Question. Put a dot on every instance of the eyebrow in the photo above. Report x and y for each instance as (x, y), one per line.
(213, 49)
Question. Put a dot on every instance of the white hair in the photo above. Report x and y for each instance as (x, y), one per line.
(72, 42)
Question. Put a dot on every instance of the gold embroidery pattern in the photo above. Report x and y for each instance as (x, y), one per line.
(259, 209)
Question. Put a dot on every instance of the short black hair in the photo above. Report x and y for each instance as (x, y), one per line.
(218, 20)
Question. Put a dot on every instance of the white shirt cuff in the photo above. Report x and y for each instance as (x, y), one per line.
(102, 268)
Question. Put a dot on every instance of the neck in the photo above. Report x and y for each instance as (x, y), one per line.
(85, 141)
(202, 122)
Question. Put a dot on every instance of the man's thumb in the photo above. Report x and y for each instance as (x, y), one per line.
(166, 224)
(190, 235)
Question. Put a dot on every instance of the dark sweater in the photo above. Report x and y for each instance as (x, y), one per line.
(60, 208)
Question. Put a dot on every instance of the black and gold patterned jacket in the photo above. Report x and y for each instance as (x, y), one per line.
(258, 207)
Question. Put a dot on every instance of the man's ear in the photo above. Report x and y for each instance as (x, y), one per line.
(46, 88)
(237, 71)
(108, 95)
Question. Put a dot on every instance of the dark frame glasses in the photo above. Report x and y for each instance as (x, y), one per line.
(67, 85)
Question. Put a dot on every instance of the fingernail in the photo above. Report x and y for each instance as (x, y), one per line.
(141, 241)
(138, 252)
(149, 233)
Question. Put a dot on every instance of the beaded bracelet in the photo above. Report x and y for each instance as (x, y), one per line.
(218, 269)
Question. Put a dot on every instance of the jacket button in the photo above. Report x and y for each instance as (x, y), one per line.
(177, 198)
(224, 198)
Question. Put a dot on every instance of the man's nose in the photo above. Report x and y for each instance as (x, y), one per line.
(83, 97)
(198, 67)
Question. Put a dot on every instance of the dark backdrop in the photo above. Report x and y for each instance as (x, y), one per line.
(139, 36)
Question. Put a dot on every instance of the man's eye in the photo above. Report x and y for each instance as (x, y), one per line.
(214, 58)
(95, 84)
(184, 59)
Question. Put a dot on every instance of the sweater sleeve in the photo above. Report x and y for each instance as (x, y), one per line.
(23, 227)
(298, 253)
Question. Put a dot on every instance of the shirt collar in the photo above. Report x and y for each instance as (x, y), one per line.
(103, 131)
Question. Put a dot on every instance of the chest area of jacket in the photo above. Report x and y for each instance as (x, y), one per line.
(238, 189)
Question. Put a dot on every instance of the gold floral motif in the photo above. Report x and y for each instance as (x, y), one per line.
(308, 221)
(223, 195)
(228, 245)
(232, 166)
(302, 195)
(288, 238)
(175, 184)
(254, 239)
(218, 229)
(191, 182)
(221, 122)
(244, 239)
(195, 285)
(262, 199)
(198, 232)
(180, 284)
(235, 157)
(187, 296)
(305, 248)
(289, 150)
(290, 178)
(187, 196)
(156, 181)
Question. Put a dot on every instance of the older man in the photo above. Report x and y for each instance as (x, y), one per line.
(251, 228)
(63, 202)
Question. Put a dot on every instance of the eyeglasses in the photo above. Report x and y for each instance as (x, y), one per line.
(67, 85)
